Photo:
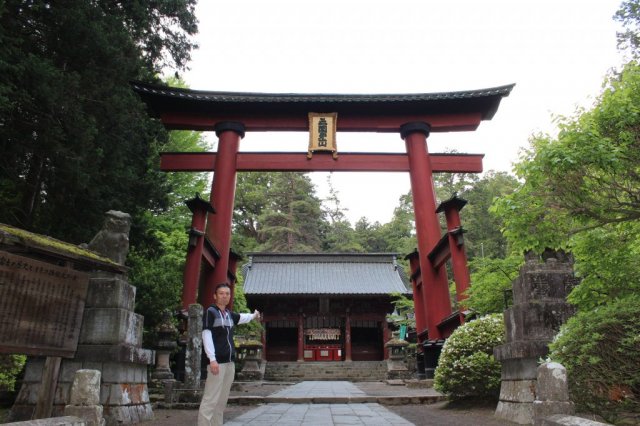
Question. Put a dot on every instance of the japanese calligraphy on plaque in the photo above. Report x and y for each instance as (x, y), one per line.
(41, 307)
(322, 133)
(323, 333)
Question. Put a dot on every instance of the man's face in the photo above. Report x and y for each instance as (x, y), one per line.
(222, 296)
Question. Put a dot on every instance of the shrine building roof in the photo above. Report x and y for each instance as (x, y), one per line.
(314, 274)
(180, 108)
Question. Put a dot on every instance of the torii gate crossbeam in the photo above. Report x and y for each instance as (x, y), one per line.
(298, 162)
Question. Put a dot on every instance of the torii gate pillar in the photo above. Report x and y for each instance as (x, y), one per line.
(200, 208)
(451, 209)
(434, 280)
(223, 191)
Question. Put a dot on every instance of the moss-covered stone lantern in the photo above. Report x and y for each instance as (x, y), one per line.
(396, 367)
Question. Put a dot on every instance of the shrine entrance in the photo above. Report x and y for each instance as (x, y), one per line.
(413, 117)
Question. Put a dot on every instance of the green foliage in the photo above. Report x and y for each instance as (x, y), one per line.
(286, 217)
(339, 237)
(601, 351)
(396, 236)
(528, 224)
(368, 236)
(405, 308)
(489, 280)
(483, 237)
(157, 265)
(447, 184)
(10, 367)
(251, 199)
(629, 16)
(337, 234)
(467, 368)
(158, 278)
(75, 141)
(608, 264)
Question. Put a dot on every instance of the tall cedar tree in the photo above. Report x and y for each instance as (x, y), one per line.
(292, 220)
(74, 140)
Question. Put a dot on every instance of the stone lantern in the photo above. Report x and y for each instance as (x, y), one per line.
(165, 344)
(396, 368)
(252, 355)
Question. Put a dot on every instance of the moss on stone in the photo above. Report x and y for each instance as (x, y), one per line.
(29, 238)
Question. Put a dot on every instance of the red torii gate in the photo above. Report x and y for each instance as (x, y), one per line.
(414, 116)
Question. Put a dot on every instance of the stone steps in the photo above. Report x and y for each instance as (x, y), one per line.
(357, 371)
(257, 400)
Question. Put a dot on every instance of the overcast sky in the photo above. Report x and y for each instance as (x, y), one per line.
(557, 52)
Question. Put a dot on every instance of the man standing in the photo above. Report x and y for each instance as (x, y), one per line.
(217, 338)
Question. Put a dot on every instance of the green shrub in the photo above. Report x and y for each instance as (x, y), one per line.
(10, 367)
(601, 351)
(467, 368)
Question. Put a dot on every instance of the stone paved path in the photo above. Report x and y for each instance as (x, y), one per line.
(319, 414)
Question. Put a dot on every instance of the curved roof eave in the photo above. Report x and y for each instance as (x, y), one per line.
(164, 99)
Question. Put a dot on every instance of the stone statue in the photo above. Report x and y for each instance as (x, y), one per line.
(113, 239)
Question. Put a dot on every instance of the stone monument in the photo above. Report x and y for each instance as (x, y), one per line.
(539, 308)
(110, 341)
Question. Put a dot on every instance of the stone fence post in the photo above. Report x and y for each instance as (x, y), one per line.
(193, 356)
(84, 401)
(552, 392)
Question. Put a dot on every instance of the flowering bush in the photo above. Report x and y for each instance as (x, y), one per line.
(467, 367)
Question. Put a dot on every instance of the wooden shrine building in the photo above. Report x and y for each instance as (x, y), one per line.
(324, 307)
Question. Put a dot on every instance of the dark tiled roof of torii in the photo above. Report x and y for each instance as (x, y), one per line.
(484, 101)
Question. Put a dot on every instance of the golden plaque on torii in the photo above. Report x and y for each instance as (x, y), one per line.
(322, 133)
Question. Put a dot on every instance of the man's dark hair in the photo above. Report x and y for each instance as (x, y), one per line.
(221, 285)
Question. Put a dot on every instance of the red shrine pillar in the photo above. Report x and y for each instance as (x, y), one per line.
(418, 297)
(434, 281)
(451, 209)
(223, 192)
(386, 336)
(300, 337)
(191, 276)
(347, 336)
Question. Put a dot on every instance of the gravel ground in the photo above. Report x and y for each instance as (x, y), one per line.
(445, 414)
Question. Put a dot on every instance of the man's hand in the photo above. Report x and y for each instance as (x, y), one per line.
(256, 315)
(215, 367)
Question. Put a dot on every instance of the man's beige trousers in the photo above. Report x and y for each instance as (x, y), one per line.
(216, 394)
